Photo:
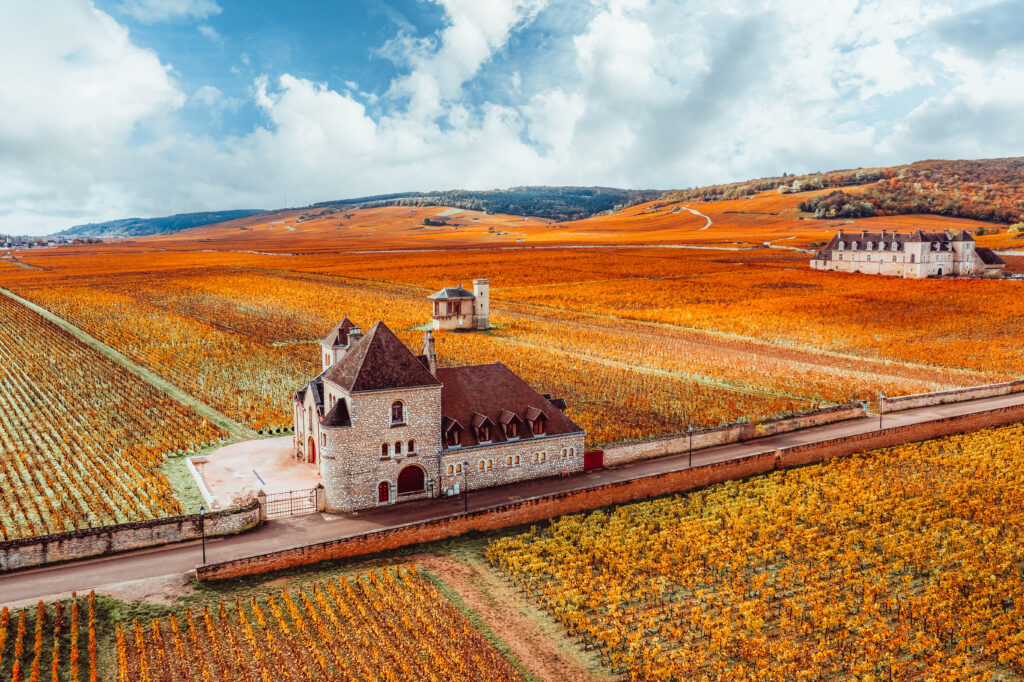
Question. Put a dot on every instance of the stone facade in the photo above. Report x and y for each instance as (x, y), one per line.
(373, 422)
(915, 255)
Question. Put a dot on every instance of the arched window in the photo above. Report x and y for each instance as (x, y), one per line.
(912, 257)
(411, 448)
(458, 468)
(517, 460)
(490, 463)
(398, 448)
(451, 469)
(384, 492)
(842, 245)
(508, 461)
(323, 439)
(384, 450)
(572, 452)
(481, 465)
(564, 453)
(854, 246)
(397, 413)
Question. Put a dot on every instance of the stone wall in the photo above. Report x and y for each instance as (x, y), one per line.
(352, 466)
(536, 457)
(907, 402)
(540, 508)
(526, 511)
(620, 453)
(92, 542)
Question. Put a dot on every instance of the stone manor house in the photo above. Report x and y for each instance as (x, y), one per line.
(383, 425)
(918, 254)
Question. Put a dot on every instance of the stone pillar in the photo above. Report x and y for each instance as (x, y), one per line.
(321, 498)
(261, 497)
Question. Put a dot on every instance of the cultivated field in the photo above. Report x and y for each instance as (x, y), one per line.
(903, 563)
(51, 641)
(378, 627)
(82, 440)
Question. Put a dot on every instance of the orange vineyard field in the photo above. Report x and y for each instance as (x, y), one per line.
(377, 627)
(903, 563)
(81, 439)
(50, 642)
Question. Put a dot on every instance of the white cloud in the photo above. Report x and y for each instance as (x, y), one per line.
(153, 11)
(647, 93)
(210, 32)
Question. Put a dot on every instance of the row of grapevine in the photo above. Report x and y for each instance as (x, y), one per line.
(385, 627)
(903, 563)
(49, 642)
(81, 438)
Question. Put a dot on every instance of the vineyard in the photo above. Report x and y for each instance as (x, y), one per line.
(52, 642)
(387, 626)
(902, 563)
(81, 439)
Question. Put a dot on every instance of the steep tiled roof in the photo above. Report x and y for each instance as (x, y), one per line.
(988, 256)
(339, 335)
(379, 361)
(495, 392)
(338, 415)
(451, 293)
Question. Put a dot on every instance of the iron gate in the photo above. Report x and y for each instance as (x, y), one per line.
(291, 503)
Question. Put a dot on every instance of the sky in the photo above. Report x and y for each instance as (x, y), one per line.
(141, 108)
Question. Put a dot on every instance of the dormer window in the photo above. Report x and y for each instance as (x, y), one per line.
(842, 245)
(397, 413)
(451, 431)
(454, 436)
(482, 428)
(512, 430)
(854, 247)
(870, 244)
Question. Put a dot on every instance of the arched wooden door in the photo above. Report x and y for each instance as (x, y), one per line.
(311, 451)
(384, 492)
(410, 480)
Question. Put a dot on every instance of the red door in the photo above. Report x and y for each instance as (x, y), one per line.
(311, 454)
(384, 492)
(593, 459)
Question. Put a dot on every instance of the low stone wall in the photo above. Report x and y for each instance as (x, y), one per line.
(541, 508)
(513, 514)
(811, 453)
(92, 542)
(806, 420)
(620, 453)
(907, 402)
(631, 451)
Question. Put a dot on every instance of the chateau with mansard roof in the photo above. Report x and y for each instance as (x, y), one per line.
(914, 255)
(383, 425)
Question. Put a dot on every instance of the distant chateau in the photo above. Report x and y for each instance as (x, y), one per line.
(918, 254)
(383, 425)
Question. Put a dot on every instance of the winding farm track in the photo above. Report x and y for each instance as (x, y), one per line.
(215, 417)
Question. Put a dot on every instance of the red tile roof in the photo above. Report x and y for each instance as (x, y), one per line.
(494, 391)
(379, 361)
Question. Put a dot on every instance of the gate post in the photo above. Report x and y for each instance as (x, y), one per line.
(261, 497)
(321, 498)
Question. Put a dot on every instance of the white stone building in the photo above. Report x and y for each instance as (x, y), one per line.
(383, 425)
(456, 308)
(918, 254)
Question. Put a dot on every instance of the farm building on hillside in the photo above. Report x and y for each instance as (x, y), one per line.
(383, 425)
(918, 254)
(456, 308)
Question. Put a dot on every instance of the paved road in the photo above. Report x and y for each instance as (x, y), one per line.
(180, 558)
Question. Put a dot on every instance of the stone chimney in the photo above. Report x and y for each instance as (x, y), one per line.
(430, 351)
(354, 334)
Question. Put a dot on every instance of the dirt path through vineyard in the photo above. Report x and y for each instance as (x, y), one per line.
(548, 655)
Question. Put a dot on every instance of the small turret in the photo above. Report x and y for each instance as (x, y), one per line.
(482, 296)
